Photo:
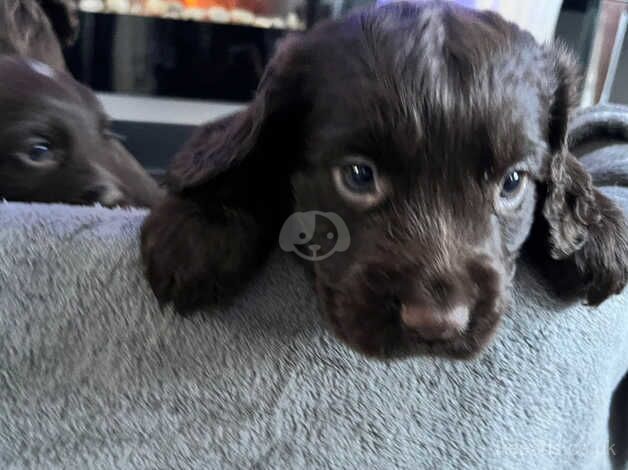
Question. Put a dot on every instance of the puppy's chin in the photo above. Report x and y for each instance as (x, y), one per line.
(372, 325)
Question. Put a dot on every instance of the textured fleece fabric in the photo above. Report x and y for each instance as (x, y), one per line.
(94, 374)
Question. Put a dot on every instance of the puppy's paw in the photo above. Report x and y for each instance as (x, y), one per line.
(193, 257)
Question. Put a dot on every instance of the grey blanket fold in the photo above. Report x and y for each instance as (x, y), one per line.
(95, 375)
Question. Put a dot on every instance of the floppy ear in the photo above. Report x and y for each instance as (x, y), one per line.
(230, 193)
(581, 241)
(63, 15)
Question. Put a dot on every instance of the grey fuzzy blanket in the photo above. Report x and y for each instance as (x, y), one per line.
(94, 375)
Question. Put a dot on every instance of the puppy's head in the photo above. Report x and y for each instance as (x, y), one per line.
(56, 146)
(38, 29)
(430, 130)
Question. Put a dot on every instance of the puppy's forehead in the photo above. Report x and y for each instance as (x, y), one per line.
(30, 83)
(439, 82)
(28, 77)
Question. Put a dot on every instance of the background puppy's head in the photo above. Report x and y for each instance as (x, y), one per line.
(434, 132)
(56, 146)
(36, 29)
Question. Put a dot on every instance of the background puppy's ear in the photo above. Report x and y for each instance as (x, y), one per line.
(579, 237)
(230, 193)
(63, 15)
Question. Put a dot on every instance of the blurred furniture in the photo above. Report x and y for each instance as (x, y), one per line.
(607, 46)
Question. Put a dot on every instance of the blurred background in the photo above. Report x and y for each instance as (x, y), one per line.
(163, 66)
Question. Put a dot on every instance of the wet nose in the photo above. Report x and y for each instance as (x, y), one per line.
(432, 324)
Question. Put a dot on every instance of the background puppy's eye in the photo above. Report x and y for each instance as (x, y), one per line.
(359, 177)
(513, 184)
(40, 152)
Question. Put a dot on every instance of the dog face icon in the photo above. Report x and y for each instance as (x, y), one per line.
(314, 235)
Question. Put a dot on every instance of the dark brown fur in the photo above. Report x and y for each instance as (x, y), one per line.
(445, 101)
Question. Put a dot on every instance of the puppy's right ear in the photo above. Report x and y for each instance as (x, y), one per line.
(230, 193)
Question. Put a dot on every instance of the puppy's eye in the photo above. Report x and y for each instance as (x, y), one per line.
(513, 185)
(359, 177)
(40, 152)
(358, 181)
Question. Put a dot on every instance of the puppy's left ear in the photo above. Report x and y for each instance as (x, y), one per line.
(63, 15)
(229, 193)
(582, 234)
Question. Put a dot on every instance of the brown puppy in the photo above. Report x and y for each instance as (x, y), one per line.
(55, 141)
(56, 145)
(420, 143)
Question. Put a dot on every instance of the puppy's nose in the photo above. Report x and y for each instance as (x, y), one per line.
(432, 324)
(106, 194)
